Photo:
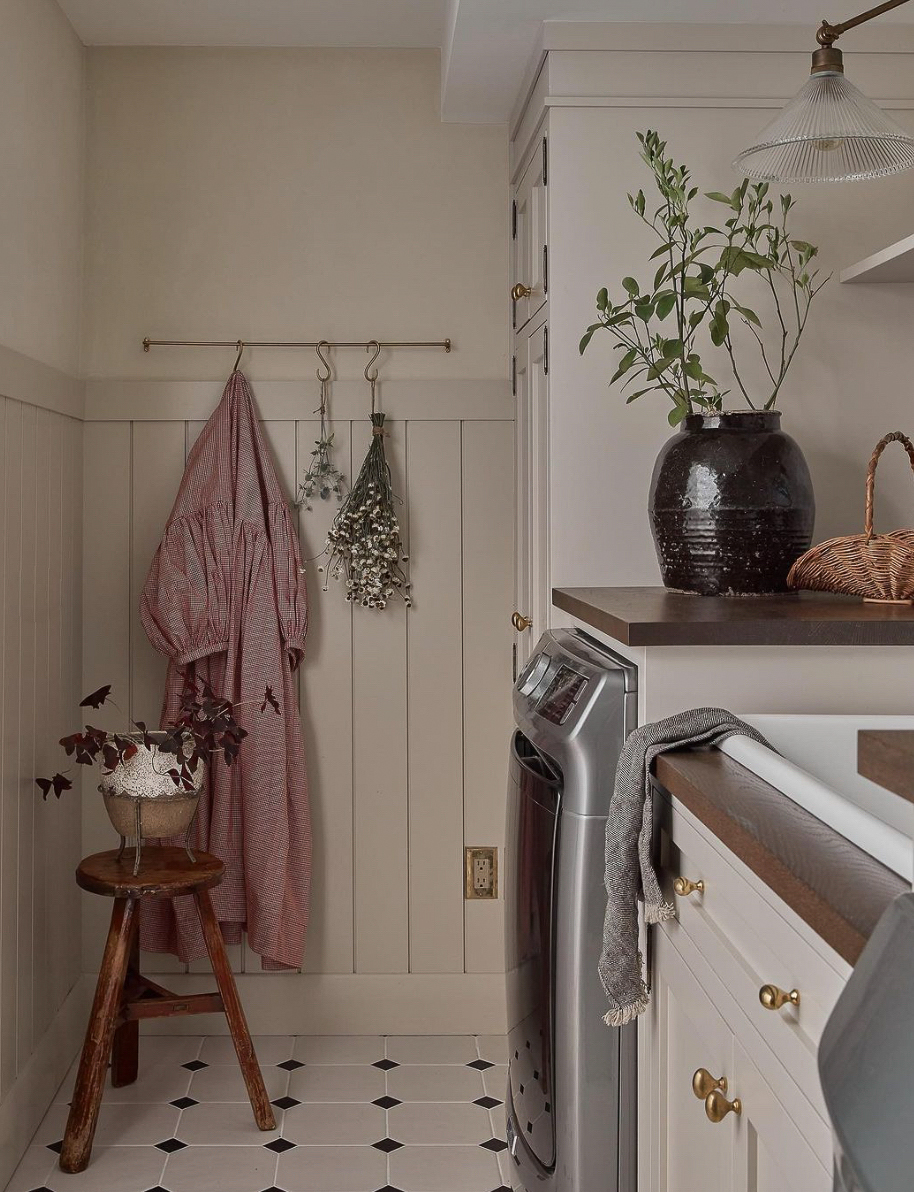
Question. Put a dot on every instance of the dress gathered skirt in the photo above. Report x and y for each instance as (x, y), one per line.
(225, 601)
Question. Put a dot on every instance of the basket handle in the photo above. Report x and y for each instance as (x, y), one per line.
(895, 437)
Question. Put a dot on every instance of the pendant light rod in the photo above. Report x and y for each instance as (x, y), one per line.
(828, 33)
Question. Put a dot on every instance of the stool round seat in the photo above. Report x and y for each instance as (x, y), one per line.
(165, 872)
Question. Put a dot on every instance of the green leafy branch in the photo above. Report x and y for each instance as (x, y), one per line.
(692, 284)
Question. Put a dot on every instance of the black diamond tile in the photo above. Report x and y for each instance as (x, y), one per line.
(157, 1188)
(290, 1065)
(57, 1147)
(385, 1065)
(285, 1102)
(387, 1145)
(171, 1144)
(487, 1102)
(387, 1102)
(502, 1189)
(273, 1189)
(494, 1144)
(279, 1145)
(44, 1189)
(391, 1188)
(529, 1127)
(184, 1103)
(480, 1065)
(194, 1065)
(536, 1075)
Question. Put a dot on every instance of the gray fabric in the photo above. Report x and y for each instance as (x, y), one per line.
(629, 840)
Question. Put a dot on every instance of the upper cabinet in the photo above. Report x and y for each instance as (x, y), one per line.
(530, 258)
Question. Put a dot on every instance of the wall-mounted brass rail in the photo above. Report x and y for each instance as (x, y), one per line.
(265, 343)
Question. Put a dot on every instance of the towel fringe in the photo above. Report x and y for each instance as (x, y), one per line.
(658, 912)
(623, 1015)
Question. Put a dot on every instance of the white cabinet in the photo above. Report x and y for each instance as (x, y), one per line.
(530, 251)
(531, 429)
(750, 1140)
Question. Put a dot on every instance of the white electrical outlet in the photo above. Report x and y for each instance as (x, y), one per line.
(481, 873)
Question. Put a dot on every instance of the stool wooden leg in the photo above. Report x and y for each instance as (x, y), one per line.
(93, 1065)
(241, 1037)
(125, 1049)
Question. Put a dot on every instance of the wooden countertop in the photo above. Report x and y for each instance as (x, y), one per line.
(886, 757)
(658, 617)
(835, 887)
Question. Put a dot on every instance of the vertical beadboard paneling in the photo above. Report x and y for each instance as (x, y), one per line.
(487, 578)
(379, 752)
(27, 732)
(105, 629)
(435, 698)
(13, 465)
(158, 465)
(326, 710)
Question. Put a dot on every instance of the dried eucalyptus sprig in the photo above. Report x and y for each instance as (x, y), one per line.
(364, 541)
(323, 476)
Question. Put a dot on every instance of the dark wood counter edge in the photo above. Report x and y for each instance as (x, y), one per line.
(656, 617)
(836, 888)
(886, 757)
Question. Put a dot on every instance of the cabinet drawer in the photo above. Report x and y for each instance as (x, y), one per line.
(749, 942)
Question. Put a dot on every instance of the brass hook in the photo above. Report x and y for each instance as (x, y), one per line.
(372, 376)
(240, 347)
(323, 359)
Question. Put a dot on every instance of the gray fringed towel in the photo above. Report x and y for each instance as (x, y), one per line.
(629, 839)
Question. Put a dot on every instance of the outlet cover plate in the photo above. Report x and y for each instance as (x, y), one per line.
(481, 873)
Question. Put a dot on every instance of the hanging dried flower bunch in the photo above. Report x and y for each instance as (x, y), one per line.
(364, 541)
(323, 477)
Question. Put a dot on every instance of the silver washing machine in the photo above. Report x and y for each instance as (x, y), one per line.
(572, 1094)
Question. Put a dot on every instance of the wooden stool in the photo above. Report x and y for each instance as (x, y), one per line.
(123, 996)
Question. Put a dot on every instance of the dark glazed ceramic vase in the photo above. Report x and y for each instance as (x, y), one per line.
(731, 505)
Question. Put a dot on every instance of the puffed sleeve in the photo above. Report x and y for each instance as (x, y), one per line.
(184, 606)
(291, 594)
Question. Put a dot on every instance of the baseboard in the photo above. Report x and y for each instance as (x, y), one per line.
(28, 1100)
(352, 1004)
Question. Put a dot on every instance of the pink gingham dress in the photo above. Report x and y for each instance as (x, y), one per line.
(225, 600)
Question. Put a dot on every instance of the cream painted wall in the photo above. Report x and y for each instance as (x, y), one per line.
(41, 147)
(289, 194)
(299, 194)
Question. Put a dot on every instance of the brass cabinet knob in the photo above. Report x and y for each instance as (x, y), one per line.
(521, 291)
(717, 1106)
(704, 1083)
(684, 887)
(520, 622)
(772, 998)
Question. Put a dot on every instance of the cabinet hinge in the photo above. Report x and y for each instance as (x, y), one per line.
(545, 268)
(514, 376)
(514, 219)
(546, 350)
(545, 163)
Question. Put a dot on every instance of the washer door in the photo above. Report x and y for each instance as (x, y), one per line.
(534, 798)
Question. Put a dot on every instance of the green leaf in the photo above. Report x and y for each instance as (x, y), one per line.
(693, 287)
(639, 393)
(602, 299)
(630, 285)
(665, 303)
(658, 369)
(671, 349)
(677, 414)
(624, 364)
(624, 317)
(644, 310)
(749, 315)
(664, 248)
(587, 337)
(717, 197)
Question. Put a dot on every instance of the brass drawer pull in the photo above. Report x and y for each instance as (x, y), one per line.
(521, 291)
(772, 998)
(520, 622)
(717, 1106)
(684, 887)
(703, 1083)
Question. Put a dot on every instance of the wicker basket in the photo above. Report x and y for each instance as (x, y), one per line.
(878, 567)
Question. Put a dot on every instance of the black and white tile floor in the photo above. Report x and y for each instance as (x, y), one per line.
(354, 1114)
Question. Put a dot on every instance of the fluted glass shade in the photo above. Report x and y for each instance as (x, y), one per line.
(830, 132)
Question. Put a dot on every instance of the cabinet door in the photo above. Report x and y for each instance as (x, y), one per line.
(771, 1155)
(530, 262)
(531, 428)
(689, 1153)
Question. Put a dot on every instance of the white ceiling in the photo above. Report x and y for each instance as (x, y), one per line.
(486, 44)
(257, 22)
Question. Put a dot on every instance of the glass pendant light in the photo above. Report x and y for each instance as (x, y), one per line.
(830, 131)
